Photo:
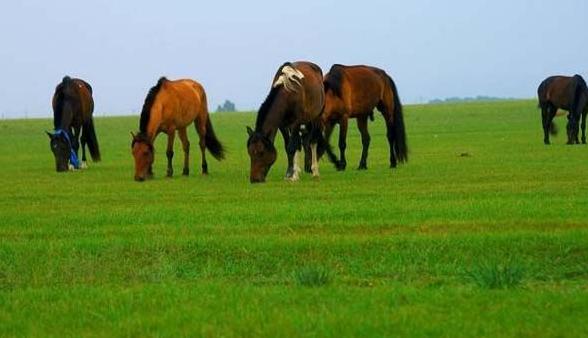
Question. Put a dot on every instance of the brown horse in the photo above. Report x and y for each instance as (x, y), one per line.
(171, 106)
(354, 92)
(72, 114)
(293, 106)
(567, 93)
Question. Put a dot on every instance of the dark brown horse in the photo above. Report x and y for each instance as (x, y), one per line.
(293, 106)
(567, 93)
(354, 92)
(171, 106)
(72, 114)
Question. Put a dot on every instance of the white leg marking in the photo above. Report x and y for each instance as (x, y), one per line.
(296, 174)
(70, 167)
(315, 166)
(84, 165)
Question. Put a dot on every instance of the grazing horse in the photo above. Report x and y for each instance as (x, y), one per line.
(171, 106)
(293, 106)
(72, 113)
(567, 93)
(354, 92)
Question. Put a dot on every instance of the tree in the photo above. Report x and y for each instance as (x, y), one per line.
(228, 106)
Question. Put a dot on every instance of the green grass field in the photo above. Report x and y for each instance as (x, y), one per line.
(494, 243)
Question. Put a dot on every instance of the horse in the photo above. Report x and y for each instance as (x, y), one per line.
(293, 106)
(171, 106)
(567, 93)
(354, 92)
(73, 106)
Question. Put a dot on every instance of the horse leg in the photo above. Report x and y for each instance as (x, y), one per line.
(84, 141)
(75, 143)
(314, 165)
(343, 124)
(293, 150)
(584, 126)
(329, 125)
(365, 141)
(307, 152)
(170, 152)
(201, 129)
(186, 147)
(546, 119)
(570, 127)
(286, 136)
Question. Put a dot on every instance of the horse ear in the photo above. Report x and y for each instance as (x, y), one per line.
(49, 134)
(249, 131)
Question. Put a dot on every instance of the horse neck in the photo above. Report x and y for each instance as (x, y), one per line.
(274, 118)
(153, 124)
(63, 116)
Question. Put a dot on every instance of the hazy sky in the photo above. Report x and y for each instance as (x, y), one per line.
(431, 48)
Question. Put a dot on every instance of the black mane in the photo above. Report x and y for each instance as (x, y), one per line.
(60, 97)
(265, 108)
(149, 100)
(334, 80)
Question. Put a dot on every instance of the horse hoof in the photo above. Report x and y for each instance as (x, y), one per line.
(186, 172)
(84, 165)
(71, 167)
(362, 167)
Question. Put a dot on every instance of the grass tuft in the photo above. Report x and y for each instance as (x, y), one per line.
(313, 276)
(497, 276)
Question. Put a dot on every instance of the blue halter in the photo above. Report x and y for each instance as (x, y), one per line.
(73, 158)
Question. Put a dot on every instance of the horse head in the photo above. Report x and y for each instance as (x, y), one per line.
(263, 154)
(143, 154)
(61, 147)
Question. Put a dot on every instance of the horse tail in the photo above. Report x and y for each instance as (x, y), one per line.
(323, 146)
(576, 108)
(400, 146)
(212, 143)
(91, 140)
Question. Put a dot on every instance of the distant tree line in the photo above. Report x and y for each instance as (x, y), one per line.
(479, 98)
(228, 106)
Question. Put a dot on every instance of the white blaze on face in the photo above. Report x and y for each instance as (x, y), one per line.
(289, 78)
(315, 166)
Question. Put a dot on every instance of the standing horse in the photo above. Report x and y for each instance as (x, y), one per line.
(72, 113)
(354, 92)
(293, 106)
(567, 93)
(171, 106)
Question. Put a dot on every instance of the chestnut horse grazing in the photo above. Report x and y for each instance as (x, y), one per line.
(354, 92)
(293, 106)
(72, 113)
(172, 105)
(567, 93)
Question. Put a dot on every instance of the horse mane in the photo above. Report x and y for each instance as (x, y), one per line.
(265, 107)
(149, 100)
(59, 101)
(334, 80)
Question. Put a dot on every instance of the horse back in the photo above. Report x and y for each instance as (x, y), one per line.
(360, 88)
(181, 102)
(313, 94)
(77, 94)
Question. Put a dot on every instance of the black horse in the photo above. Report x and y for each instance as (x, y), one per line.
(72, 112)
(567, 93)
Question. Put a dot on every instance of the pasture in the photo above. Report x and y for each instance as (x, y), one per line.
(483, 233)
